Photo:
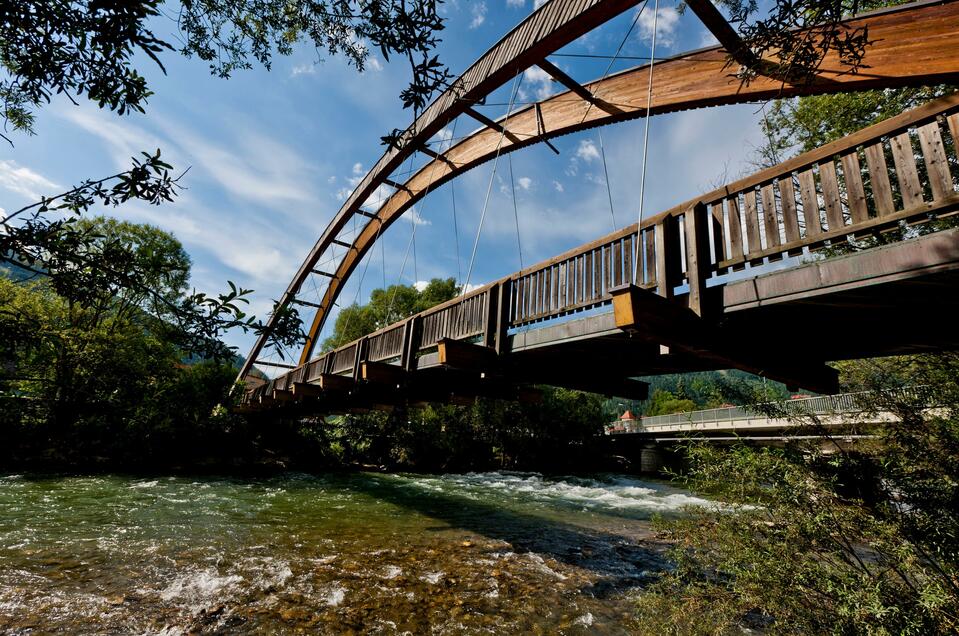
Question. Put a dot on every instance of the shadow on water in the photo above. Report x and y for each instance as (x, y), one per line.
(619, 560)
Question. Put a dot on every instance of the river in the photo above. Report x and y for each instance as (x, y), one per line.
(501, 553)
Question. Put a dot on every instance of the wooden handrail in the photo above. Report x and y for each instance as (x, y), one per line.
(581, 277)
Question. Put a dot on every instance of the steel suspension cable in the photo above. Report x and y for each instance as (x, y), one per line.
(456, 230)
(489, 188)
(426, 191)
(379, 228)
(615, 56)
(642, 181)
(609, 192)
(512, 183)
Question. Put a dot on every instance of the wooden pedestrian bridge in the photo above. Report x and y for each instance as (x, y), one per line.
(846, 251)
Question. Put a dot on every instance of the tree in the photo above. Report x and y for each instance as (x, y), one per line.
(91, 48)
(800, 124)
(387, 306)
(823, 537)
(93, 262)
(92, 365)
(665, 403)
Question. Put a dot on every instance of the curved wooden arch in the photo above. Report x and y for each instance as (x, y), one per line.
(911, 44)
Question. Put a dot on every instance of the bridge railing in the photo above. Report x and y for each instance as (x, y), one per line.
(898, 170)
(847, 403)
(904, 170)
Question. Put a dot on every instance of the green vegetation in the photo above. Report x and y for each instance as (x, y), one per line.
(559, 433)
(387, 306)
(86, 48)
(683, 392)
(92, 365)
(824, 538)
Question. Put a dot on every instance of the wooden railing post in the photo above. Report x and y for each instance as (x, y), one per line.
(696, 218)
(411, 342)
(359, 357)
(667, 255)
(489, 325)
(502, 316)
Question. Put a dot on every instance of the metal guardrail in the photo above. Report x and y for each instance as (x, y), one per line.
(820, 405)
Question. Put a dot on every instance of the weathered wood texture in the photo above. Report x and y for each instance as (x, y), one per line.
(912, 44)
(584, 277)
(915, 45)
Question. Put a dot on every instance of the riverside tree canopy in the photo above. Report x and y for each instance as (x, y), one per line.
(91, 47)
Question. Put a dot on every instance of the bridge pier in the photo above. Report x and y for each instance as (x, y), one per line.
(645, 456)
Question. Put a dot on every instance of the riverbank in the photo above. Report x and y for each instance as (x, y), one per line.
(332, 553)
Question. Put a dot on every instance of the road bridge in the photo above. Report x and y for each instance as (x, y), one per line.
(737, 278)
(844, 415)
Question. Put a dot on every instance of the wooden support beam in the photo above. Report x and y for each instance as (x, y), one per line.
(297, 301)
(541, 128)
(489, 123)
(636, 308)
(656, 319)
(557, 74)
(368, 215)
(303, 390)
(320, 272)
(464, 355)
(395, 185)
(359, 357)
(282, 395)
(489, 326)
(338, 383)
(341, 243)
(382, 373)
(429, 152)
(713, 20)
(279, 365)
(667, 246)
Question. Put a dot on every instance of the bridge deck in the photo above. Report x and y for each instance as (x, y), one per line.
(736, 279)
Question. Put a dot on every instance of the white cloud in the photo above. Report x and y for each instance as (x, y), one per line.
(236, 166)
(414, 216)
(24, 181)
(379, 196)
(587, 150)
(303, 69)
(538, 3)
(357, 169)
(420, 285)
(515, 4)
(540, 81)
(558, 186)
(524, 182)
(443, 139)
(373, 63)
(478, 12)
(666, 18)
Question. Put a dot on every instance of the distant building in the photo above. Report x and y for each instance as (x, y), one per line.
(627, 423)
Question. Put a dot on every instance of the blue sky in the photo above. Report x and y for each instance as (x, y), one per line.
(272, 155)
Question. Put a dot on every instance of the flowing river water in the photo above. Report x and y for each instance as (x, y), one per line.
(501, 553)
